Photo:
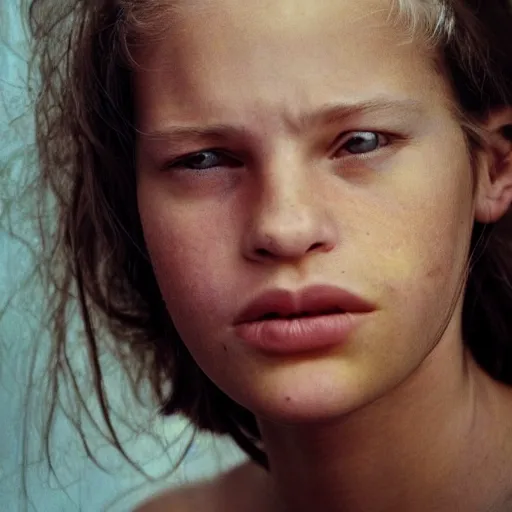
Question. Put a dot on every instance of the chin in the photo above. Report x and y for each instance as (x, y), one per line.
(306, 395)
(301, 415)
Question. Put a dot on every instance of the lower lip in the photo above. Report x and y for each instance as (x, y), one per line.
(282, 336)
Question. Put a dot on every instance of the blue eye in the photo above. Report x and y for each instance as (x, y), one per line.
(202, 161)
(364, 142)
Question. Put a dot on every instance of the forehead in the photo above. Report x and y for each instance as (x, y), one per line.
(237, 57)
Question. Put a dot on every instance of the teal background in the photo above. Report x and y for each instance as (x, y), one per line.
(82, 485)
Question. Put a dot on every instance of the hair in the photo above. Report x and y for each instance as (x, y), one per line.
(84, 52)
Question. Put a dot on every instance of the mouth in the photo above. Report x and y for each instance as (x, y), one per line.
(314, 301)
(283, 322)
(304, 314)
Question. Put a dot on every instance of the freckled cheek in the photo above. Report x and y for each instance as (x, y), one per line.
(421, 256)
(193, 266)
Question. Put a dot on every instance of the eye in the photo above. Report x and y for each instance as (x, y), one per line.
(359, 143)
(203, 160)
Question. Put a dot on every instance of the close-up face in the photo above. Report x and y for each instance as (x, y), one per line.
(288, 144)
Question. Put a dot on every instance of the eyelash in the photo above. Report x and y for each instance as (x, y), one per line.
(181, 162)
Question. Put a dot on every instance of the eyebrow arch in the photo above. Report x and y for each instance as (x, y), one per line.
(331, 113)
(326, 114)
(176, 134)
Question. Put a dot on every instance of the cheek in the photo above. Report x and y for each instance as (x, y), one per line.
(425, 261)
(191, 254)
(423, 238)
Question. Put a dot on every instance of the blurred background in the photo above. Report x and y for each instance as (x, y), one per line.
(154, 443)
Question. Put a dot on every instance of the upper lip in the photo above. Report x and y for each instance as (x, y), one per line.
(314, 300)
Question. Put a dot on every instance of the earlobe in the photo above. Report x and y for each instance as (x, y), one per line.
(494, 191)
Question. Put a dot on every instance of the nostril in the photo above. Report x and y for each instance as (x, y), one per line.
(263, 253)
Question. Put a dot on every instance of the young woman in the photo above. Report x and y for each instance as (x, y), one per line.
(294, 218)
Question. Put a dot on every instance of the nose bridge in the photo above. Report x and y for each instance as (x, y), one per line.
(287, 200)
(289, 217)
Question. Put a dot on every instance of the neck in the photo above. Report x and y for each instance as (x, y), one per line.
(413, 449)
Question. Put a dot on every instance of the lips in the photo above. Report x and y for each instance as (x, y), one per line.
(308, 302)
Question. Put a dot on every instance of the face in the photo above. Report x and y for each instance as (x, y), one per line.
(292, 143)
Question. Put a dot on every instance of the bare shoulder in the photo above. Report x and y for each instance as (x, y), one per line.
(182, 499)
(233, 490)
(201, 495)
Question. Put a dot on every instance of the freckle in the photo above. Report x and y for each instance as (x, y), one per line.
(225, 348)
(435, 271)
(288, 399)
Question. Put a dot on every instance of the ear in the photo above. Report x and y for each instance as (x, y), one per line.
(494, 188)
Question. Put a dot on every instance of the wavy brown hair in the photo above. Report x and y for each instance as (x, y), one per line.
(95, 252)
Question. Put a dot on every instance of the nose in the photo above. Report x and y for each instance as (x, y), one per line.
(288, 220)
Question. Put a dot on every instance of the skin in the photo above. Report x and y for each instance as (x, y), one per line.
(398, 417)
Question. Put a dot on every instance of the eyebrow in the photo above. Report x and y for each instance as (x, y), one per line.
(325, 115)
(330, 113)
